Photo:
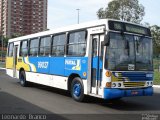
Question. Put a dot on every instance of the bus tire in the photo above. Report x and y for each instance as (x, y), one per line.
(22, 78)
(77, 89)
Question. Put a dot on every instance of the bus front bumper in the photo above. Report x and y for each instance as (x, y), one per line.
(110, 93)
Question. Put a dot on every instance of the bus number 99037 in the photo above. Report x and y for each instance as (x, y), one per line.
(43, 65)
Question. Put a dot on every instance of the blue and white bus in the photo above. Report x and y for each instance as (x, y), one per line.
(106, 58)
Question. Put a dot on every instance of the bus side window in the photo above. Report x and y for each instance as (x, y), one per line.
(10, 50)
(77, 43)
(33, 48)
(58, 45)
(45, 43)
(24, 48)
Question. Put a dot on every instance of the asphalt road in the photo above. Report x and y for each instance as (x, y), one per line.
(57, 104)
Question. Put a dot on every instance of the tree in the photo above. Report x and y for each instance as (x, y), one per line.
(155, 30)
(126, 10)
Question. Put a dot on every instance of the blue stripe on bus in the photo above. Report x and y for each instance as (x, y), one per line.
(63, 66)
(136, 76)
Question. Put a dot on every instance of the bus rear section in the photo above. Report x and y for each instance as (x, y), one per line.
(106, 59)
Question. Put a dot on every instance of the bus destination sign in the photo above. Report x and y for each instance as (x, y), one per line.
(126, 27)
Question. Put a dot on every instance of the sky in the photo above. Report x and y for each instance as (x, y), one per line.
(64, 12)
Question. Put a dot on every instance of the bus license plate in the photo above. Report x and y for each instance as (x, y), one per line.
(134, 92)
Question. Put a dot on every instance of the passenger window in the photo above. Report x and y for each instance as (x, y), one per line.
(77, 43)
(24, 48)
(45, 44)
(58, 45)
(33, 49)
(10, 50)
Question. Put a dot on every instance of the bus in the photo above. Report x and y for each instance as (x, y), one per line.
(106, 58)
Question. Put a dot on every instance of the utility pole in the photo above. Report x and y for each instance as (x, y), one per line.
(1, 33)
(78, 15)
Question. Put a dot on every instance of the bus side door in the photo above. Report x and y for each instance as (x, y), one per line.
(15, 55)
(96, 65)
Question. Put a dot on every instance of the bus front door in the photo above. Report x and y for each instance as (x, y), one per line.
(96, 65)
(15, 51)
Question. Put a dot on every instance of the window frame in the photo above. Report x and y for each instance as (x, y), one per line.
(44, 55)
(10, 50)
(64, 33)
(67, 45)
(20, 53)
(30, 46)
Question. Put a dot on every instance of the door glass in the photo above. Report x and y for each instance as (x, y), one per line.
(94, 62)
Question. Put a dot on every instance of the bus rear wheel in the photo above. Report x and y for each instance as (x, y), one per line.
(22, 78)
(77, 89)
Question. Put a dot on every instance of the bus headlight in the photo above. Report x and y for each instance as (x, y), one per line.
(108, 84)
(119, 84)
(108, 74)
(113, 84)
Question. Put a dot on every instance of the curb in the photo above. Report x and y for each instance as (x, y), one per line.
(2, 68)
(156, 86)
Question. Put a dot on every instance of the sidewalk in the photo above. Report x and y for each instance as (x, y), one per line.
(156, 86)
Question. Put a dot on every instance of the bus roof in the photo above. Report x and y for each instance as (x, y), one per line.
(68, 28)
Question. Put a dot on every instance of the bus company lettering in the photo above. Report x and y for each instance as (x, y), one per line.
(43, 65)
(70, 62)
(73, 64)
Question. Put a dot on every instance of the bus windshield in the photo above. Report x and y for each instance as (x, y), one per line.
(129, 52)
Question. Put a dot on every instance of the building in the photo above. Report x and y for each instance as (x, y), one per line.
(22, 17)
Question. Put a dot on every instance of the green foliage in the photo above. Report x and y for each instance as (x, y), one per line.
(15, 35)
(156, 62)
(156, 78)
(126, 10)
(2, 64)
(155, 30)
(5, 41)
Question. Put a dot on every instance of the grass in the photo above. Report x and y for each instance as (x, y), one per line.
(156, 77)
(156, 62)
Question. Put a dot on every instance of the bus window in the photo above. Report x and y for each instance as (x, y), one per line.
(33, 49)
(77, 43)
(24, 48)
(45, 43)
(58, 45)
(10, 50)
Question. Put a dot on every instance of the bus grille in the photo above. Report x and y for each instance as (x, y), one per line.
(134, 84)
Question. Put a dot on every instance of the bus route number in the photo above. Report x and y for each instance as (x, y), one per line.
(43, 65)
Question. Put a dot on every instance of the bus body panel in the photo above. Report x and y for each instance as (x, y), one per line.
(9, 61)
(119, 93)
(76, 65)
(56, 66)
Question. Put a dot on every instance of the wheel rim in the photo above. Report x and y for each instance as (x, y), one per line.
(22, 79)
(77, 89)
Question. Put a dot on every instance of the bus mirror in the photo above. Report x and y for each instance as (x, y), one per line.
(106, 40)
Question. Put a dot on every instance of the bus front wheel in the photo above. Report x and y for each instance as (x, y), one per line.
(77, 89)
(22, 78)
